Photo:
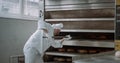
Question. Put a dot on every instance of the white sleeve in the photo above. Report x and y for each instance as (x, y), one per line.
(41, 24)
(117, 54)
(57, 43)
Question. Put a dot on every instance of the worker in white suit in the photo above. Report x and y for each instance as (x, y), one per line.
(40, 41)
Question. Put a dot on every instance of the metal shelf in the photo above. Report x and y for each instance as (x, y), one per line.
(64, 54)
(107, 57)
(75, 55)
(90, 43)
(58, 5)
(72, 7)
(81, 19)
(68, 2)
(88, 30)
(93, 55)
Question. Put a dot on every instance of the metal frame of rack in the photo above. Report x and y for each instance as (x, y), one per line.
(81, 19)
(117, 21)
(61, 5)
(117, 36)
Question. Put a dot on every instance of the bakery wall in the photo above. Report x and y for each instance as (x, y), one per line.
(13, 35)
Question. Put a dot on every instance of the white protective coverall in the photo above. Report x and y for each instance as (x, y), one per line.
(37, 44)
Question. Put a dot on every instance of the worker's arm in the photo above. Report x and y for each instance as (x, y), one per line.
(57, 43)
(62, 40)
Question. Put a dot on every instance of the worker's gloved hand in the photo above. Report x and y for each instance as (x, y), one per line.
(117, 54)
(67, 37)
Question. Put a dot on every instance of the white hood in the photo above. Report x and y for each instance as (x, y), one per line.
(57, 26)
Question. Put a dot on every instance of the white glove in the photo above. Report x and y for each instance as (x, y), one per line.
(117, 54)
(67, 37)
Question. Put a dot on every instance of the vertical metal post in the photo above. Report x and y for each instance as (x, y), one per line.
(41, 10)
(41, 15)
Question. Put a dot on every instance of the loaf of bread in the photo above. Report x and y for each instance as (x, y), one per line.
(70, 50)
(61, 50)
(61, 59)
(102, 37)
(82, 51)
(68, 59)
(92, 51)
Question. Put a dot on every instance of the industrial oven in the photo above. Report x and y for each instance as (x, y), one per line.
(91, 24)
